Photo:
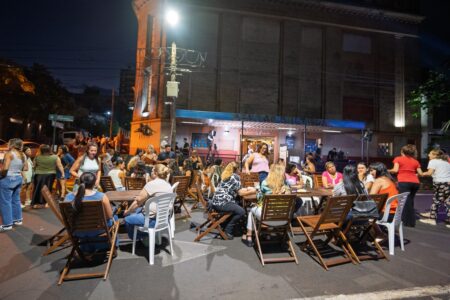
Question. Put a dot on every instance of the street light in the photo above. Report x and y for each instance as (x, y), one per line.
(172, 17)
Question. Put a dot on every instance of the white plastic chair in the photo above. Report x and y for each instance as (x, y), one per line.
(172, 215)
(308, 181)
(162, 223)
(396, 222)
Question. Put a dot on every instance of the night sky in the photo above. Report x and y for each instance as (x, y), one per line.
(87, 42)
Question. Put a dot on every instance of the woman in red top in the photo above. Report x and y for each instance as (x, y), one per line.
(407, 167)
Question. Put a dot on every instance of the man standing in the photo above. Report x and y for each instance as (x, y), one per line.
(332, 155)
(164, 157)
(185, 149)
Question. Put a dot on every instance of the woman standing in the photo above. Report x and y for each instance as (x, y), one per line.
(364, 175)
(407, 167)
(259, 161)
(10, 185)
(273, 184)
(67, 162)
(224, 199)
(330, 177)
(27, 178)
(439, 169)
(88, 162)
(45, 165)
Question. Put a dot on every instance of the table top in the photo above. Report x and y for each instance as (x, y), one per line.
(123, 196)
(317, 192)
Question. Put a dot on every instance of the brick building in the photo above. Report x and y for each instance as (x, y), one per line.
(301, 59)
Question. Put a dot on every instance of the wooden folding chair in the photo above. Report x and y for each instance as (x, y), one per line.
(359, 229)
(248, 180)
(90, 219)
(181, 191)
(61, 237)
(107, 184)
(318, 182)
(134, 183)
(213, 220)
(329, 223)
(276, 217)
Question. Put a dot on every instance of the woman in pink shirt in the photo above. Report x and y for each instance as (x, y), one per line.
(259, 161)
(331, 177)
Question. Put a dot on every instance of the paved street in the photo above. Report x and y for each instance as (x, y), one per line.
(216, 269)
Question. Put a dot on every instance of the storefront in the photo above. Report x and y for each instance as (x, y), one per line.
(288, 138)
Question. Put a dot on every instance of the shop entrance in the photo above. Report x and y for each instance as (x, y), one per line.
(250, 142)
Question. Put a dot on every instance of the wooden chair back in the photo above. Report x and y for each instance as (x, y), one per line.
(318, 182)
(107, 184)
(183, 185)
(90, 218)
(134, 183)
(52, 203)
(336, 210)
(277, 208)
(248, 180)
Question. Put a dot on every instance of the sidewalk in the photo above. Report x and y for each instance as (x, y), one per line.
(217, 269)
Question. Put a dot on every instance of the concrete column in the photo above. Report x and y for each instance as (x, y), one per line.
(399, 116)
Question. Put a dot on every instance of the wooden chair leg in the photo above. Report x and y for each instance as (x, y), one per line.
(291, 248)
(112, 249)
(348, 249)
(310, 241)
(213, 226)
(66, 269)
(199, 227)
(56, 245)
(257, 241)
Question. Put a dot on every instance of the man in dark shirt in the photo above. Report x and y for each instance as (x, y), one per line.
(164, 157)
(185, 149)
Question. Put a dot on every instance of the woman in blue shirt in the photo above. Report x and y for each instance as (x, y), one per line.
(67, 162)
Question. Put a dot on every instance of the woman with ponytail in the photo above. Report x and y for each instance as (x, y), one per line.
(86, 192)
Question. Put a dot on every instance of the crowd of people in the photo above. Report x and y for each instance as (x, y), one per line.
(20, 172)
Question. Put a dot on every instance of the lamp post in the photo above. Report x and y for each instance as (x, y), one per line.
(172, 18)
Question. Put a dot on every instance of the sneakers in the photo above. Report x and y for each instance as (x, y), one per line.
(5, 228)
(17, 223)
(428, 221)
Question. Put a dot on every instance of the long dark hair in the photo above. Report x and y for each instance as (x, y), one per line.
(87, 181)
(352, 184)
(259, 148)
(380, 170)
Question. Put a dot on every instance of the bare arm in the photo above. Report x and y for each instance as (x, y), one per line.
(368, 186)
(419, 171)
(394, 169)
(138, 201)
(6, 163)
(248, 162)
(429, 172)
(325, 183)
(60, 166)
(75, 167)
(376, 187)
(246, 191)
(107, 207)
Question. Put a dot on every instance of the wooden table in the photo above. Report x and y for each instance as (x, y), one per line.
(322, 193)
(122, 196)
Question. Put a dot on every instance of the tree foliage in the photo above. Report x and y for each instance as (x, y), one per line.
(433, 94)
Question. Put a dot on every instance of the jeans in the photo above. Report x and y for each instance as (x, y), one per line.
(237, 212)
(137, 219)
(409, 214)
(10, 187)
(262, 175)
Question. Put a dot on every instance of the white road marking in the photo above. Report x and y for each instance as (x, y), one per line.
(416, 292)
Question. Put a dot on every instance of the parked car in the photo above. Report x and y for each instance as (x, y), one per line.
(26, 144)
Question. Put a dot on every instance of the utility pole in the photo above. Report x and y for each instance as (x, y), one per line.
(172, 91)
(112, 114)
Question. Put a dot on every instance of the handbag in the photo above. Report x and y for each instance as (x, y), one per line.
(365, 209)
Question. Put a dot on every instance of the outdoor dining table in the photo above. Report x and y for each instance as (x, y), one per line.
(122, 196)
(322, 193)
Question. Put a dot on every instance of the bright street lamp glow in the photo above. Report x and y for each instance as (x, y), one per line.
(172, 17)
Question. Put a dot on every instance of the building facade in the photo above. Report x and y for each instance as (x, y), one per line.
(289, 58)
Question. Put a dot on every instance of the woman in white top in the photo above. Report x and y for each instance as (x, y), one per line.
(439, 169)
(27, 179)
(88, 162)
(364, 176)
(118, 174)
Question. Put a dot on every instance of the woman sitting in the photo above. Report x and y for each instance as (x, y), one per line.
(293, 176)
(365, 176)
(224, 199)
(273, 184)
(350, 184)
(86, 192)
(383, 184)
(309, 167)
(330, 177)
(118, 174)
(134, 215)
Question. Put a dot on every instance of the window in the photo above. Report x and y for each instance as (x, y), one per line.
(385, 149)
(356, 43)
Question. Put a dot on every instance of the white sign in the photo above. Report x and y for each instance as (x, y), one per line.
(58, 124)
